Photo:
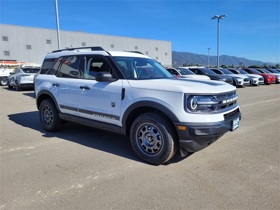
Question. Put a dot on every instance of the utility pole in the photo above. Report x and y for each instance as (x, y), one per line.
(57, 24)
(218, 37)
(208, 57)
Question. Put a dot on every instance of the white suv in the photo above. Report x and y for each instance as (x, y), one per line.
(133, 94)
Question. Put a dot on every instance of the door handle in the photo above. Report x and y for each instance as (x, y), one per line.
(55, 84)
(84, 87)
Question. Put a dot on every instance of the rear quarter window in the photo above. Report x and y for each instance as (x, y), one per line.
(50, 66)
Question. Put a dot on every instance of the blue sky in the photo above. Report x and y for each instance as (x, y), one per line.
(251, 28)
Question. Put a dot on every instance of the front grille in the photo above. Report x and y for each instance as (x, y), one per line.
(246, 80)
(226, 100)
(261, 79)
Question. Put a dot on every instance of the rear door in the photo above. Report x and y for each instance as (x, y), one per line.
(65, 86)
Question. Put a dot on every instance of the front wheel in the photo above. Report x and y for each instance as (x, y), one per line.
(153, 138)
(49, 118)
(18, 88)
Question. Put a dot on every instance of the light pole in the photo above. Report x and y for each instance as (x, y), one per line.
(218, 36)
(57, 24)
(208, 56)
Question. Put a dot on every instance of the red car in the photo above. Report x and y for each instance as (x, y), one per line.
(268, 78)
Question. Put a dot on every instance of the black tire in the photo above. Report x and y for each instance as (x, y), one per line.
(48, 114)
(9, 86)
(4, 81)
(152, 138)
(18, 88)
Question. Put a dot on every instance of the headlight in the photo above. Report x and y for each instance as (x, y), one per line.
(201, 103)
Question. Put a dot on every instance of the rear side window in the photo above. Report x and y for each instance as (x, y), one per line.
(69, 67)
(49, 66)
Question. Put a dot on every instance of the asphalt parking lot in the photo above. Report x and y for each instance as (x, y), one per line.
(84, 168)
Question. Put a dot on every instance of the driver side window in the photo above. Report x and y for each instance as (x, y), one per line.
(95, 65)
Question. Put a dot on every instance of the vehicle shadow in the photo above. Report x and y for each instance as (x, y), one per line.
(89, 137)
(30, 94)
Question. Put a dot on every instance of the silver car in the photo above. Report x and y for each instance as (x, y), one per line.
(238, 80)
(22, 77)
(255, 79)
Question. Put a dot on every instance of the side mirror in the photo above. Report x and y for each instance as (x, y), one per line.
(104, 77)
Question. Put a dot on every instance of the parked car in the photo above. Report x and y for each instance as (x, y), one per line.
(238, 80)
(4, 74)
(134, 95)
(212, 75)
(255, 79)
(272, 71)
(22, 77)
(182, 72)
(268, 78)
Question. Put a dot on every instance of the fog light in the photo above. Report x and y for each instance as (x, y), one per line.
(181, 127)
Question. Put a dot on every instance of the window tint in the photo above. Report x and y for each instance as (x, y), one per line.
(141, 68)
(94, 65)
(69, 67)
(48, 66)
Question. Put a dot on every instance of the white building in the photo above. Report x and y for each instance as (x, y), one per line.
(27, 44)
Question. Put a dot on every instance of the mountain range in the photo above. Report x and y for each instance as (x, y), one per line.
(192, 59)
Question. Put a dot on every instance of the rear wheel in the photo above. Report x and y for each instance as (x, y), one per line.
(4, 81)
(153, 138)
(49, 118)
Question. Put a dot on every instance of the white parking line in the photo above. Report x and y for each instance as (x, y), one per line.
(261, 102)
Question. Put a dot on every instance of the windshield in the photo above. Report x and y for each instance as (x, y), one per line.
(255, 71)
(31, 70)
(243, 72)
(185, 71)
(273, 70)
(264, 71)
(141, 68)
(209, 72)
(226, 71)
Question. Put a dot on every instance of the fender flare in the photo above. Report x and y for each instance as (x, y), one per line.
(45, 94)
(151, 104)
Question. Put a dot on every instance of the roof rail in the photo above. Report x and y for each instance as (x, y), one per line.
(95, 48)
(135, 52)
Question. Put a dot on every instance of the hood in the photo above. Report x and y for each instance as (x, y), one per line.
(276, 74)
(238, 75)
(194, 76)
(267, 75)
(254, 75)
(220, 77)
(183, 85)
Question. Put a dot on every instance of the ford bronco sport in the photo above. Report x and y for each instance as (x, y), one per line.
(132, 94)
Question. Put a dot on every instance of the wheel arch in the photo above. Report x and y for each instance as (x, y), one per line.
(142, 107)
(42, 95)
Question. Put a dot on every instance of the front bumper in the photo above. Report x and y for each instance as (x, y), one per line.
(26, 84)
(197, 136)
